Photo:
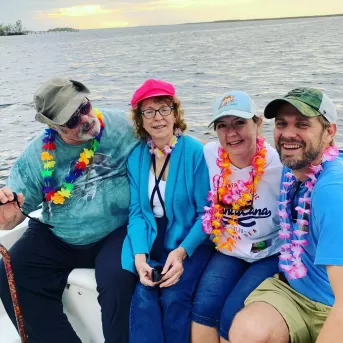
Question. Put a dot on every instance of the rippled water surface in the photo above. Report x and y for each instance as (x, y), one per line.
(264, 58)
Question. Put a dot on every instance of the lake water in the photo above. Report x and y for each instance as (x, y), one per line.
(264, 58)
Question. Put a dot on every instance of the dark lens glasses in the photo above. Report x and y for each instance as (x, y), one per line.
(248, 206)
(83, 109)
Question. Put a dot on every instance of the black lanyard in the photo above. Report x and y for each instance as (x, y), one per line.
(15, 199)
(156, 189)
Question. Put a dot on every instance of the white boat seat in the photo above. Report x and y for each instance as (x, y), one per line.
(83, 278)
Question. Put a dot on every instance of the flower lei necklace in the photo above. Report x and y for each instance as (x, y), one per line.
(154, 150)
(237, 195)
(293, 248)
(50, 193)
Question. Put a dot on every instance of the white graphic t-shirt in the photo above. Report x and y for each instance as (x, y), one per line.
(258, 227)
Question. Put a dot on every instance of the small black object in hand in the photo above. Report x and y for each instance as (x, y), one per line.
(15, 199)
(156, 274)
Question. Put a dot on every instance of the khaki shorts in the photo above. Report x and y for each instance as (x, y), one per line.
(304, 317)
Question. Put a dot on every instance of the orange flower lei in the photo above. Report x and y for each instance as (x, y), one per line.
(237, 196)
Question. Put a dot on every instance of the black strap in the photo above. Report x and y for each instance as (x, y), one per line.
(157, 181)
(36, 220)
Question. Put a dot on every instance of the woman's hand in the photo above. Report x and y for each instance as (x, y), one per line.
(173, 267)
(144, 270)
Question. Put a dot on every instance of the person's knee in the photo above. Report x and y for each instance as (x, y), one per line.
(206, 310)
(246, 327)
(175, 299)
(144, 300)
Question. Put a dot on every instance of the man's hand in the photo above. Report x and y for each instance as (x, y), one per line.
(10, 209)
(173, 267)
(144, 270)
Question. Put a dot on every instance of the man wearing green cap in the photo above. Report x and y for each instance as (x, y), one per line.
(77, 170)
(304, 302)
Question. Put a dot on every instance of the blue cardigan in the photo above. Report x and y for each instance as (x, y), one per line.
(185, 197)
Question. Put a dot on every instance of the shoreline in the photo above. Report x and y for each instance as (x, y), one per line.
(263, 19)
(57, 30)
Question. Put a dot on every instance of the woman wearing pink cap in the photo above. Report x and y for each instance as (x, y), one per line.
(169, 185)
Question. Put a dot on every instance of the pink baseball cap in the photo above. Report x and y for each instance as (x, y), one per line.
(150, 88)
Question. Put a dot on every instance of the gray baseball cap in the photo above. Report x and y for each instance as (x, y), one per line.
(57, 100)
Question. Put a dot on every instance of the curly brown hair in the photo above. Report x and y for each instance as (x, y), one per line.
(174, 101)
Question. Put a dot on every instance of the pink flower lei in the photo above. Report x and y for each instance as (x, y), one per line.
(168, 148)
(295, 239)
(238, 196)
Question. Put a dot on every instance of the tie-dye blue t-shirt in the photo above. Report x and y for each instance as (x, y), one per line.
(100, 199)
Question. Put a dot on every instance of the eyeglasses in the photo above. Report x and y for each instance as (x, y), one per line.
(83, 109)
(163, 111)
(248, 206)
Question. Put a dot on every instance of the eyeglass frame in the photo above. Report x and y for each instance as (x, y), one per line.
(163, 115)
(78, 113)
(229, 206)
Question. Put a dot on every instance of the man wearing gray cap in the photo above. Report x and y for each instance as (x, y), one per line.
(77, 170)
(304, 302)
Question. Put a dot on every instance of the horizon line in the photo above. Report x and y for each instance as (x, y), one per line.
(209, 22)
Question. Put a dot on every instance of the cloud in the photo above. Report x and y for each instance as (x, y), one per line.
(152, 5)
(79, 11)
(45, 14)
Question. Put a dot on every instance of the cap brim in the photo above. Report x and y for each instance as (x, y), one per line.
(152, 96)
(272, 108)
(66, 113)
(232, 113)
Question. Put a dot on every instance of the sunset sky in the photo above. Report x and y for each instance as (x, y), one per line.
(46, 14)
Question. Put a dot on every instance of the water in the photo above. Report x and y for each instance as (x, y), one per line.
(264, 58)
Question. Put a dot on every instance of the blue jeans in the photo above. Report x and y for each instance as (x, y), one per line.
(224, 285)
(163, 315)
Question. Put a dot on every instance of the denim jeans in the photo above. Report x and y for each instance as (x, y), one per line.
(224, 285)
(163, 315)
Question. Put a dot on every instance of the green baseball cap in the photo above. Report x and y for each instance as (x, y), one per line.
(310, 102)
(57, 100)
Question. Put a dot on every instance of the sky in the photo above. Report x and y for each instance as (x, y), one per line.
(47, 14)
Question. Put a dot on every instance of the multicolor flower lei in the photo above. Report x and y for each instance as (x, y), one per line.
(238, 196)
(58, 196)
(293, 248)
(167, 148)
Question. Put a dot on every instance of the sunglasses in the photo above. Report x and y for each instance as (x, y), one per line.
(75, 119)
(248, 206)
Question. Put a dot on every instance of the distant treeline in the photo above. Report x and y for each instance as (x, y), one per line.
(60, 29)
(12, 29)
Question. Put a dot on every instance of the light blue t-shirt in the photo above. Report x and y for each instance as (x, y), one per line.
(325, 237)
(101, 196)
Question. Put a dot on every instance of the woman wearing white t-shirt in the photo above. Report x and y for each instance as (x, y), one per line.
(245, 174)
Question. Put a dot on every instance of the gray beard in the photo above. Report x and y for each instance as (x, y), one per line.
(88, 136)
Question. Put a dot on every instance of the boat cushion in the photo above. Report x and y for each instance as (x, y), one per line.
(83, 278)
